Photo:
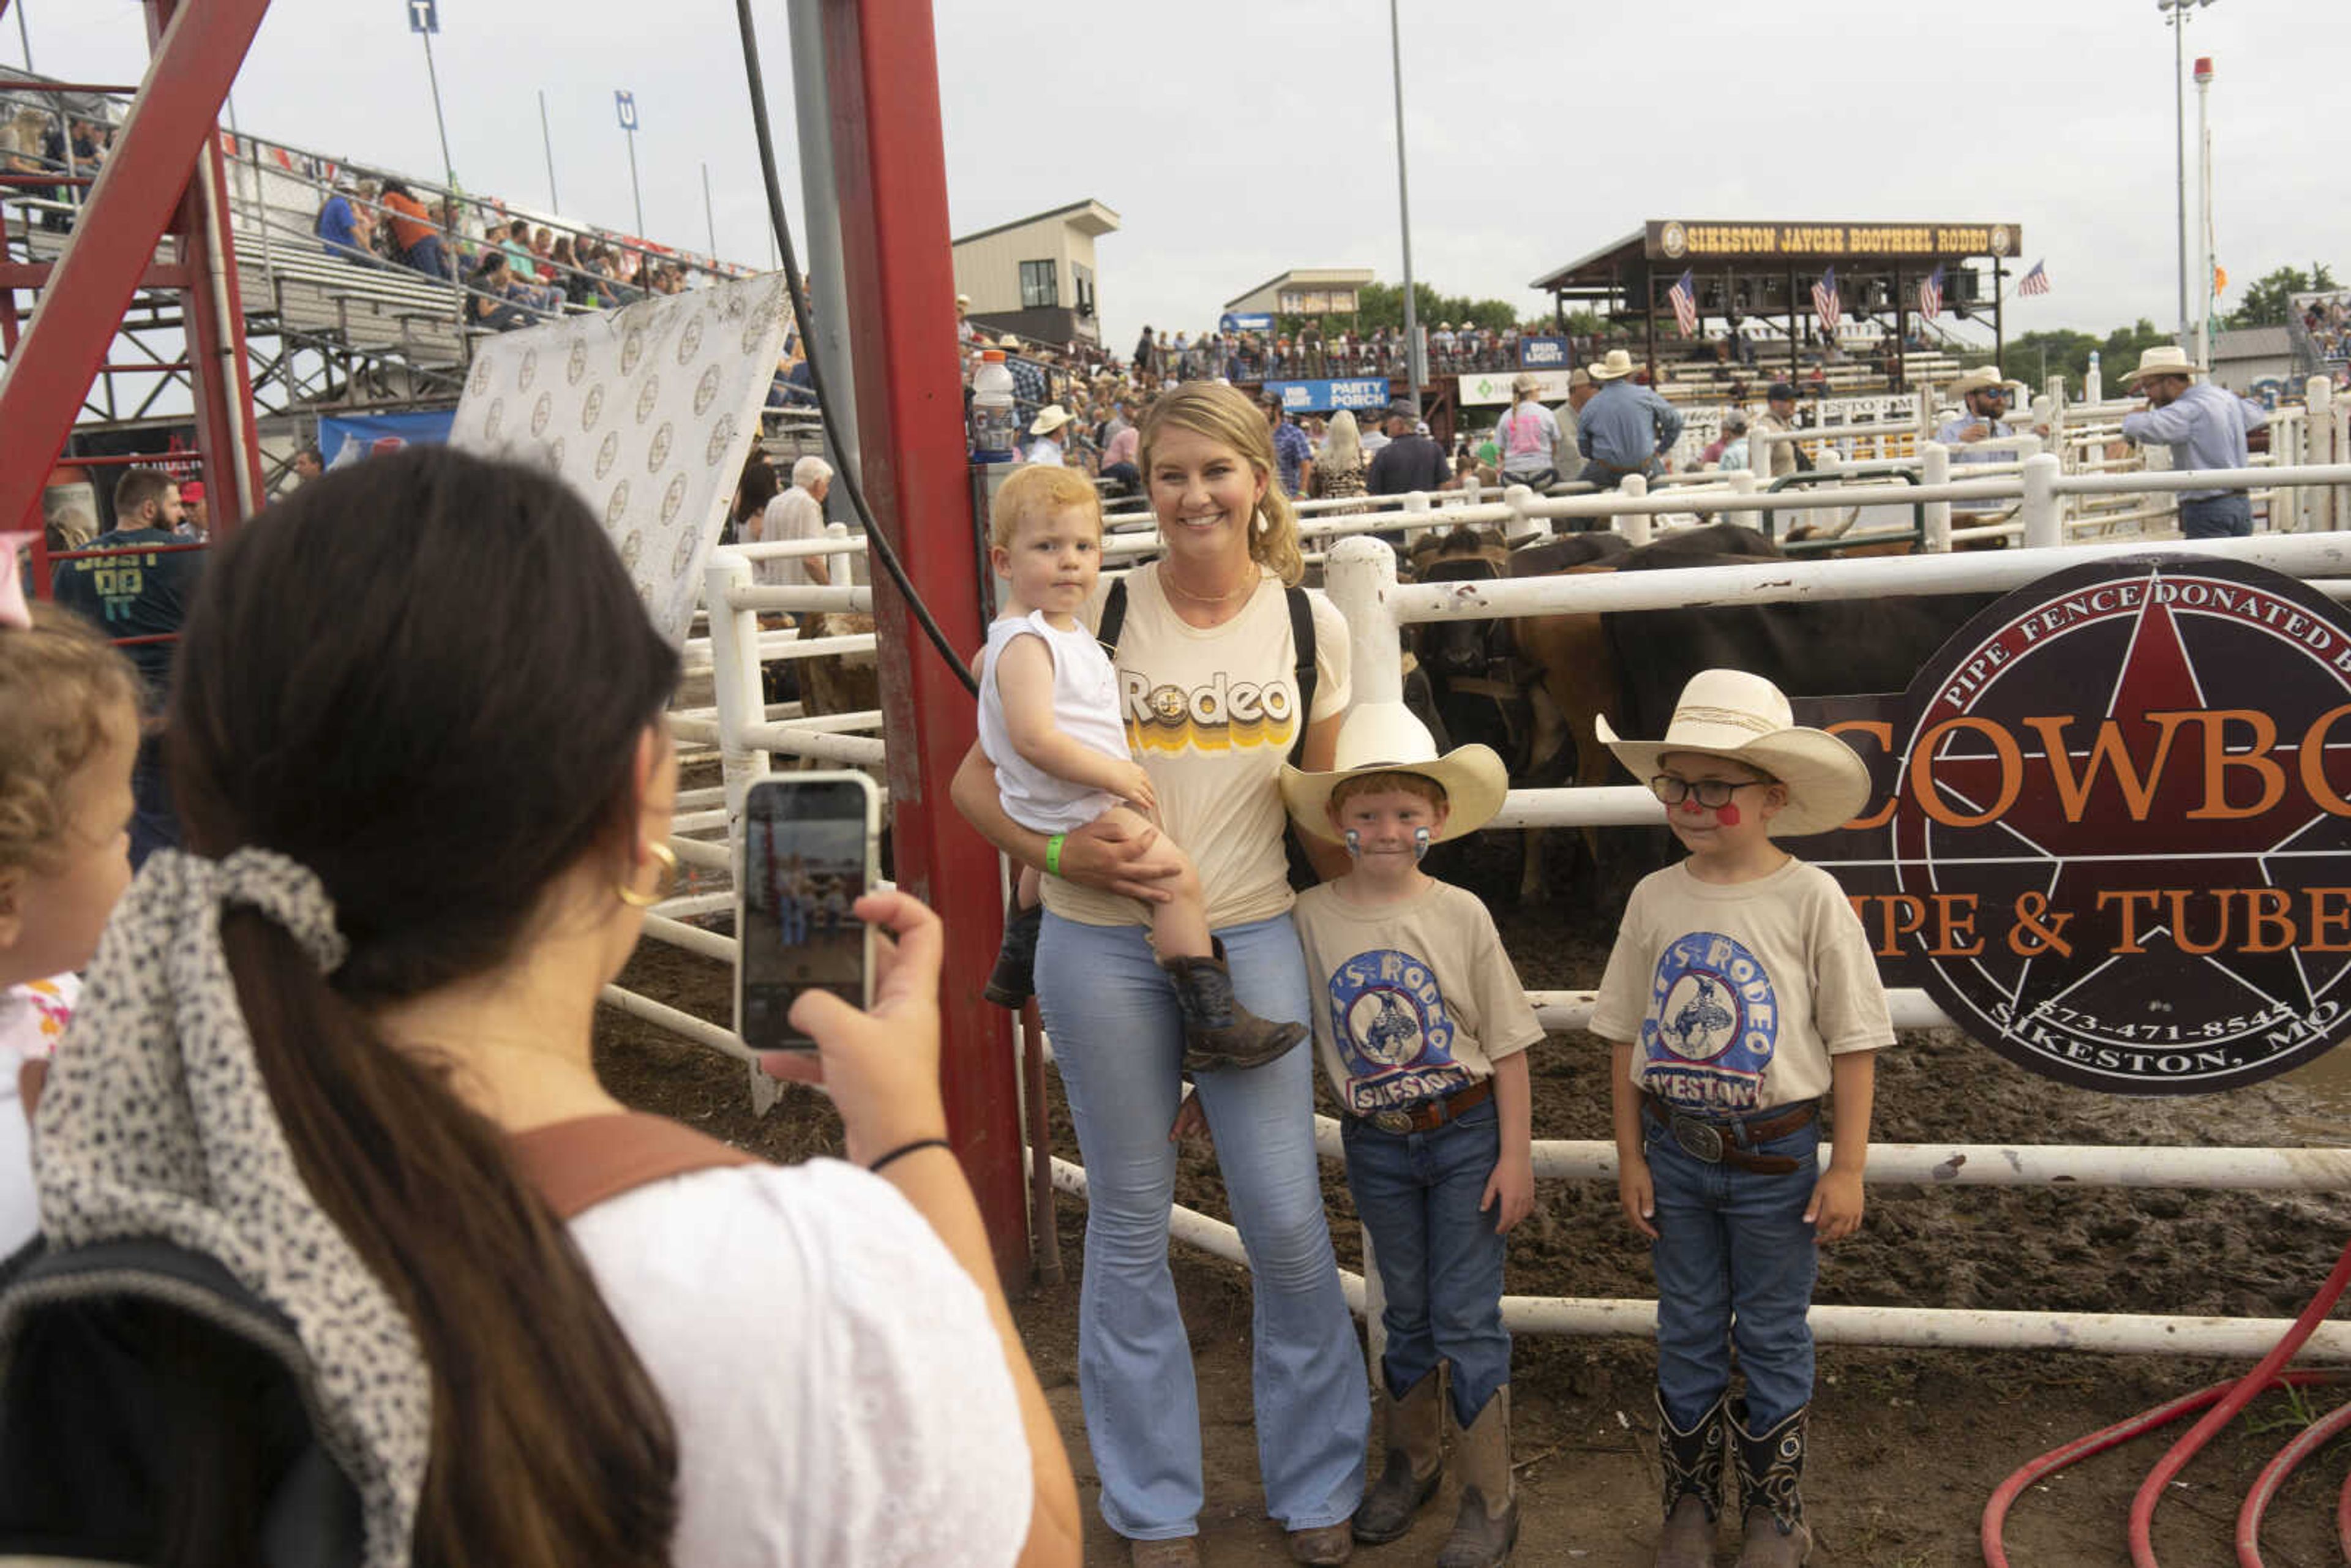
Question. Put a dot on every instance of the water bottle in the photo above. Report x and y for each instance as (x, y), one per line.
(994, 427)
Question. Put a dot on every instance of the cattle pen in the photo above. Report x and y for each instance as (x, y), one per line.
(1360, 579)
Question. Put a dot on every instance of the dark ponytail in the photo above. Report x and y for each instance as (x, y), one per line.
(424, 678)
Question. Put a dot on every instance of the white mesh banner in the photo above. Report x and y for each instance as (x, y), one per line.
(648, 412)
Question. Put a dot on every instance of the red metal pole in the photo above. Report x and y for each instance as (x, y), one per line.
(889, 156)
(196, 58)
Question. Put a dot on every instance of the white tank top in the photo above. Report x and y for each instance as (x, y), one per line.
(1085, 708)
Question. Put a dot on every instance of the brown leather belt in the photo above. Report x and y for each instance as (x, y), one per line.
(1429, 1114)
(1723, 1143)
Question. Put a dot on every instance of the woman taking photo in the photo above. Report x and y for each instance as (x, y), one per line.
(424, 830)
(1207, 630)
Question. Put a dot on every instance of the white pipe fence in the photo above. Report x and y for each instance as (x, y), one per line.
(1362, 581)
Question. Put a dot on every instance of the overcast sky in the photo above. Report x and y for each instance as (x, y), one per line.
(1237, 138)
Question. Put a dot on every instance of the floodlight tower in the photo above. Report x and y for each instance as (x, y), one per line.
(2174, 16)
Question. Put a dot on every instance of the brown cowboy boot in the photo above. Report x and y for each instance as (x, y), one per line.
(1771, 1492)
(1415, 1463)
(1692, 1463)
(1218, 1032)
(1487, 1525)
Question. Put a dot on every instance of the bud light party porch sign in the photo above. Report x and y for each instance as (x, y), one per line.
(1319, 396)
(2110, 825)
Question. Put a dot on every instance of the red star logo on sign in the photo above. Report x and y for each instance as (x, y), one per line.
(2113, 783)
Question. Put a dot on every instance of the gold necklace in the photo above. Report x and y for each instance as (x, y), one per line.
(1180, 591)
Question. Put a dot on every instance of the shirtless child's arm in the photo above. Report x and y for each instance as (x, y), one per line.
(1024, 679)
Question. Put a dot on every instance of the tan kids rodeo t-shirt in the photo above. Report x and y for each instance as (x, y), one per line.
(1211, 716)
(1412, 1000)
(1735, 997)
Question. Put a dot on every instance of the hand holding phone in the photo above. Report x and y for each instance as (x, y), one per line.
(808, 857)
(880, 1063)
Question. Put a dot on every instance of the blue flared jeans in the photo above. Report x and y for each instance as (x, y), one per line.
(1118, 1042)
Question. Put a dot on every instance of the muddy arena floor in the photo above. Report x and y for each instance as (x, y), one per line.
(1906, 1444)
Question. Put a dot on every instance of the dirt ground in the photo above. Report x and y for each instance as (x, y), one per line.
(1906, 1444)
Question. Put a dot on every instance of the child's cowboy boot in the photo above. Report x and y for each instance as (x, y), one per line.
(1218, 1032)
(1487, 1525)
(1014, 979)
(1771, 1492)
(1415, 1463)
(1692, 1463)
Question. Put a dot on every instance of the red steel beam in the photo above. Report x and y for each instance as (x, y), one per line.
(141, 185)
(890, 160)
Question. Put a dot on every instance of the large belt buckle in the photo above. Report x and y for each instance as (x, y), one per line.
(1397, 1122)
(1698, 1139)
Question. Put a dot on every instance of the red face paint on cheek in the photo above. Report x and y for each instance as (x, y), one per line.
(1727, 814)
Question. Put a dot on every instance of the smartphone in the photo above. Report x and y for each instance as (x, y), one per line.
(809, 855)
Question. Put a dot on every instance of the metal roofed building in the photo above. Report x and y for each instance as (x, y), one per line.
(1035, 276)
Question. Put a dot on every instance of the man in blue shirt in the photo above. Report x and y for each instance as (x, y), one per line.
(1292, 453)
(140, 590)
(2205, 428)
(1624, 429)
(1982, 396)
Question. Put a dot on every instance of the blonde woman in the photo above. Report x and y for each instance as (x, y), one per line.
(1212, 635)
(1339, 467)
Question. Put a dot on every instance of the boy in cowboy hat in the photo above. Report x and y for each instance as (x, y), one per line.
(1423, 1025)
(2205, 428)
(1741, 988)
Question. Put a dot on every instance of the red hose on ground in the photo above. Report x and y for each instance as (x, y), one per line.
(2265, 1485)
(1995, 1515)
(2150, 1490)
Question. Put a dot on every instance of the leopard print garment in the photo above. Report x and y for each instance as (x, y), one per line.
(154, 1122)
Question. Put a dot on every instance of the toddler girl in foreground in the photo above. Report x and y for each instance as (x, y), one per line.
(1050, 721)
(69, 735)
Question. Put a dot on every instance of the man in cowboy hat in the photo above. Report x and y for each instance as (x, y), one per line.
(1982, 397)
(2205, 428)
(1624, 429)
(1050, 444)
(1741, 988)
(1424, 1037)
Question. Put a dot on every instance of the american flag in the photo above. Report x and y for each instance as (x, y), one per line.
(2036, 281)
(1930, 295)
(1824, 301)
(1684, 297)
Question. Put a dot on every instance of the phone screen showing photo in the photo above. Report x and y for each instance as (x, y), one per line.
(805, 853)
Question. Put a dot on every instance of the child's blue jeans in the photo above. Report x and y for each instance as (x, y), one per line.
(1440, 1258)
(1735, 1263)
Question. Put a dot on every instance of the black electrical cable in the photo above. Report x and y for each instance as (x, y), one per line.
(875, 538)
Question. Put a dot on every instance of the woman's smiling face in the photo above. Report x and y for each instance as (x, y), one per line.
(1204, 492)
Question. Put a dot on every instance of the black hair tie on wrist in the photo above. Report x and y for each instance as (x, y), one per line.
(902, 1150)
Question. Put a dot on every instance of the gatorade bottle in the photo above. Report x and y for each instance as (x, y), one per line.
(994, 427)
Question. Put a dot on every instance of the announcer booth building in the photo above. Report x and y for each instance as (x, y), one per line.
(1035, 276)
(1740, 270)
(1318, 291)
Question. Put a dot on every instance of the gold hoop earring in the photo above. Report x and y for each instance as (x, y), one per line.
(663, 888)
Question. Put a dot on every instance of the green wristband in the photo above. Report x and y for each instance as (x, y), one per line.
(1053, 854)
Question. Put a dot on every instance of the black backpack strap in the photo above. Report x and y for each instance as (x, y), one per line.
(1114, 616)
(1302, 643)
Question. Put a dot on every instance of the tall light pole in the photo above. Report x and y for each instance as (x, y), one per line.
(1413, 366)
(2175, 15)
(625, 105)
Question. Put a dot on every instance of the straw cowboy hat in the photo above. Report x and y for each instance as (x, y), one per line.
(1385, 737)
(1009, 341)
(1526, 382)
(1050, 418)
(1616, 363)
(1744, 717)
(2168, 360)
(1981, 379)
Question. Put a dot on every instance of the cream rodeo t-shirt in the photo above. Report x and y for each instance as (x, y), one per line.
(1412, 1000)
(1211, 715)
(1735, 997)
